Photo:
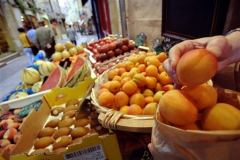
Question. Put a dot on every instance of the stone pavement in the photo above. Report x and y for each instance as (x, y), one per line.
(10, 69)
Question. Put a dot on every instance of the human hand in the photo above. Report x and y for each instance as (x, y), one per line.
(217, 45)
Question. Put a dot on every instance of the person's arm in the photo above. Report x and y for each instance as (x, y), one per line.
(29, 40)
(234, 40)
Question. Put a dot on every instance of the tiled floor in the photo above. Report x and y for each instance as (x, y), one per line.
(10, 73)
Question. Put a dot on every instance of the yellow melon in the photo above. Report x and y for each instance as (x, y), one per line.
(30, 76)
(57, 56)
(79, 49)
(46, 68)
(68, 45)
(65, 54)
(59, 47)
(24, 86)
(73, 51)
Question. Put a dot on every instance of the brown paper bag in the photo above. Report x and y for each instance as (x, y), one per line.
(170, 143)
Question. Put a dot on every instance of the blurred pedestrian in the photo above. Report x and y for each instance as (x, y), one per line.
(72, 34)
(31, 34)
(44, 40)
(26, 42)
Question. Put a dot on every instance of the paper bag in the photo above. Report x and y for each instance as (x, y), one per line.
(170, 143)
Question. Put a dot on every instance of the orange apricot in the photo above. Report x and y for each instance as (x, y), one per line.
(138, 99)
(142, 68)
(162, 57)
(178, 107)
(147, 92)
(151, 71)
(139, 79)
(149, 99)
(121, 71)
(151, 82)
(129, 66)
(114, 86)
(124, 109)
(100, 91)
(112, 74)
(124, 80)
(130, 88)
(163, 78)
(120, 65)
(150, 109)
(152, 61)
(121, 99)
(135, 109)
(106, 99)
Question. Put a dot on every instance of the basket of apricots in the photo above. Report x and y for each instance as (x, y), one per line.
(132, 90)
(198, 121)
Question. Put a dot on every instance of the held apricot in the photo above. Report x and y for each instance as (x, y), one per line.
(196, 67)
(178, 107)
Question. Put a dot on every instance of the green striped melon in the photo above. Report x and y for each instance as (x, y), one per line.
(30, 76)
(46, 68)
(37, 86)
(24, 86)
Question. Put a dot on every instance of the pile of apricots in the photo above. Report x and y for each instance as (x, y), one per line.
(135, 86)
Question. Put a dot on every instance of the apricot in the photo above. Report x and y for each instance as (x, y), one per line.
(160, 69)
(141, 58)
(147, 92)
(124, 109)
(221, 116)
(163, 78)
(150, 109)
(142, 68)
(114, 86)
(138, 99)
(152, 61)
(162, 57)
(149, 99)
(114, 107)
(142, 52)
(196, 67)
(121, 65)
(105, 85)
(139, 79)
(130, 88)
(112, 74)
(157, 96)
(178, 107)
(151, 54)
(129, 66)
(125, 74)
(133, 58)
(151, 71)
(151, 82)
(106, 99)
(101, 91)
(135, 109)
(158, 87)
(204, 95)
(136, 69)
(121, 99)
(121, 71)
(124, 80)
(131, 73)
(168, 87)
(117, 78)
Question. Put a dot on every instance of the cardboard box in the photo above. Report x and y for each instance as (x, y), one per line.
(105, 147)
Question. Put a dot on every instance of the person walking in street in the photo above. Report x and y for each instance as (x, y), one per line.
(44, 40)
(26, 42)
(72, 35)
(31, 34)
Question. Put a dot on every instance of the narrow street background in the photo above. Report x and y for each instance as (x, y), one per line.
(10, 74)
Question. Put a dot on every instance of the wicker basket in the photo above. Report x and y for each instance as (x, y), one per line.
(113, 119)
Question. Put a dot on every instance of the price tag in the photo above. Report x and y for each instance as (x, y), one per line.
(91, 153)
